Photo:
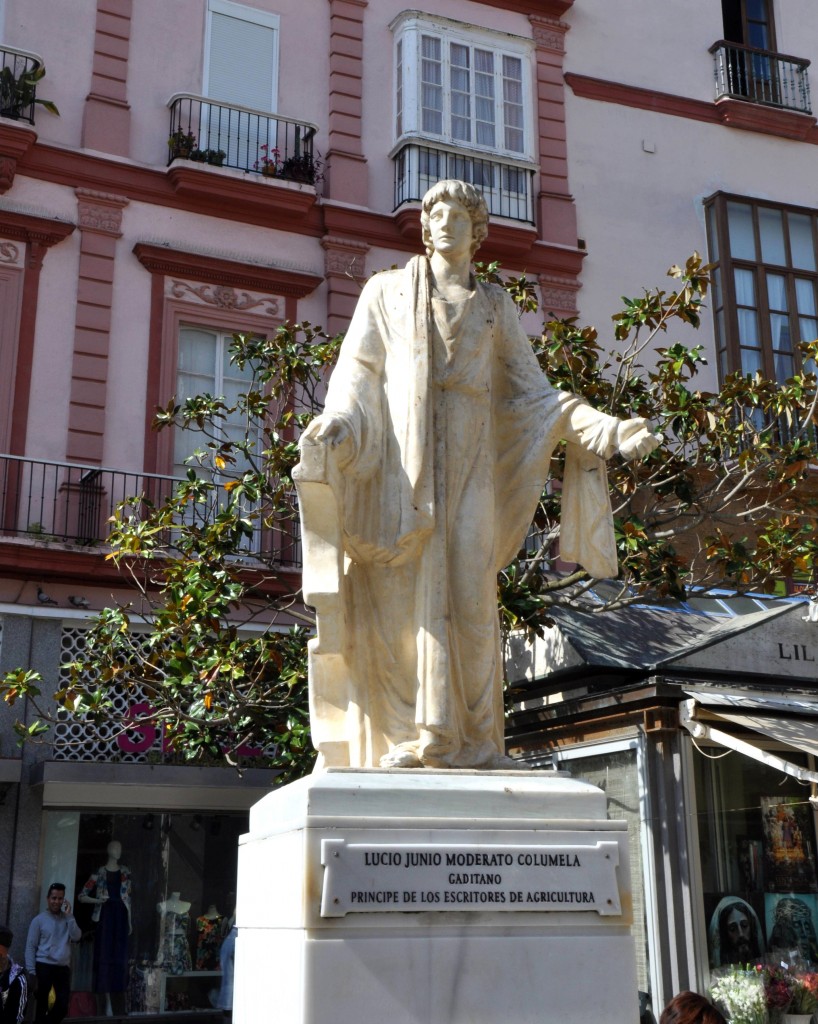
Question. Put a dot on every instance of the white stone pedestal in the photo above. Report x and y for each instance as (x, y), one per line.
(427, 897)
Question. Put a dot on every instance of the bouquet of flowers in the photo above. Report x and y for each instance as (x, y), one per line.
(778, 988)
(740, 994)
(804, 992)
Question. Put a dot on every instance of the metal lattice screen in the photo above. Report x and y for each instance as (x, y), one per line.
(75, 740)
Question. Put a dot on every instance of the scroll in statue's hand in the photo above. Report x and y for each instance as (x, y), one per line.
(329, 430)
(333, 432)
(635, 439)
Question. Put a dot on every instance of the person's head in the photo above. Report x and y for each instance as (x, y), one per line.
(737, 933)
(467, 196)
(55, 897)
(6, 937)
(690, 1008)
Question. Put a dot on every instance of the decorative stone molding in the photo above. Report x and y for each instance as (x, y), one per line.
(549, 33)
(345, 257)
(559, 294)
(223, 296)
(100, 211)
(10, 253)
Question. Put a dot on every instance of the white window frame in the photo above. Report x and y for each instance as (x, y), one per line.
(408, 28)
(243, 13)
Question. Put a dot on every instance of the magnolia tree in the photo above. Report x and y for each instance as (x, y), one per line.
(213, 646)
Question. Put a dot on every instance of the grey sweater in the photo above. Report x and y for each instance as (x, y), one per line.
(49, 939)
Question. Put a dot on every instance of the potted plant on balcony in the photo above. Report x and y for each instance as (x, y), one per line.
(269, 162)
(214, 157)
(304, 168)
(301, 167)
(17, 92)
(181, 144)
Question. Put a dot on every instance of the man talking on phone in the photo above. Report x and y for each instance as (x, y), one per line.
(48, 955)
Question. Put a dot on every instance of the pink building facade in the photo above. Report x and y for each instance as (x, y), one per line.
(214, 167)
(220, 166)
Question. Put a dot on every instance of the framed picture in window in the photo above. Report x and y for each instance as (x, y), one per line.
(789, 845)
(792, 925)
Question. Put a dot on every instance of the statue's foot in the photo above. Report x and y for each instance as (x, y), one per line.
(401, 757)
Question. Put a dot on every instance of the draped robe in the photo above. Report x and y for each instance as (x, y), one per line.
(452, 426)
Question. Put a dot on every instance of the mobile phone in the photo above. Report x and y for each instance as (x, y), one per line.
(65, 905)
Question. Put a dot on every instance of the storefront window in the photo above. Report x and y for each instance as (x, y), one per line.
(757, 847)
(154, 895)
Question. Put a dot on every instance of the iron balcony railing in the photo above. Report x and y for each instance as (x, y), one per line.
(67, 503)
(243, 138)
(760, 76)
(506, 187)
(17, 92)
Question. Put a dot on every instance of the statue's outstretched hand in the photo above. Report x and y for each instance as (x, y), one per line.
(635, 439)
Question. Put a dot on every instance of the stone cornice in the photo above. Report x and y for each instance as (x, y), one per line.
(216, 270)
(27, 227)
(732, 113)
(547, 8)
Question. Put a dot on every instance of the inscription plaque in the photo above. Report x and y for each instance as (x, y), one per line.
(378, 877)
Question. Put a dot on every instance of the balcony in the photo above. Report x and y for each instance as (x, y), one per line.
(46, 502)
(759, 76)
(242, 138)
(506, 187)
(18, 89)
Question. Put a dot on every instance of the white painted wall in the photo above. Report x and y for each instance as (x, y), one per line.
(639, 212)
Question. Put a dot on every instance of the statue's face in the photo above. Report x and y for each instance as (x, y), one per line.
(450, 228)
(115, 849)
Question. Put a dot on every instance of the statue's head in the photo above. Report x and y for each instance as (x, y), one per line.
(468, 197)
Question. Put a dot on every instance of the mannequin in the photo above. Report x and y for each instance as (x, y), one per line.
(227, 956)
(109, 889)
(208, 939)
(174, 950)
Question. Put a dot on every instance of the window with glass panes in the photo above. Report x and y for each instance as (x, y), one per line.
(204, 367)
(470, 90)
(765, 285)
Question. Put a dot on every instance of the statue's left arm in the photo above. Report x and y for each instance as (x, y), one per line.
(604, 435)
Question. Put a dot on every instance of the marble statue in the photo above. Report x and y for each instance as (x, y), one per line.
(417, 484)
